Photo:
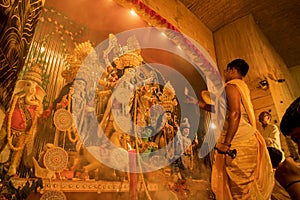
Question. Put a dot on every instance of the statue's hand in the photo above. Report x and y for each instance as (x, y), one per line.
(39, 108)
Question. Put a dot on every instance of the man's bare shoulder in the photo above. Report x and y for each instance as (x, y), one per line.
(232, 90)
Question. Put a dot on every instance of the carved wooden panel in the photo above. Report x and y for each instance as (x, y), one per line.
(17, 24)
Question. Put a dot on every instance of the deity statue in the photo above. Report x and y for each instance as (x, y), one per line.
(165, 124)
(19, 127)
(73, 108)
(122, 73)
(72, 99)
(187, 157)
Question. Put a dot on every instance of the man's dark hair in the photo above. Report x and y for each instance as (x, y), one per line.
(291, 118)
(240, 65)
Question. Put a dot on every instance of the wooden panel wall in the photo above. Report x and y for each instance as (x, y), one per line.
(295, 72)
(243, 39)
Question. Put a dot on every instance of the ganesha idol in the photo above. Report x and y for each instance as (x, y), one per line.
(19, 127)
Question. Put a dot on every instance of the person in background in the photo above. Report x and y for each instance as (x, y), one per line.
(288, 172)
(271, 134)
(269, 131)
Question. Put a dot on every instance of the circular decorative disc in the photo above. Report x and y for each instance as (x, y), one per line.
(63, 119)
(56, 159)
(53, 195)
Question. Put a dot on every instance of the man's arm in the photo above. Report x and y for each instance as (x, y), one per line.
(205, 106)
(200, 103)
(233, 100)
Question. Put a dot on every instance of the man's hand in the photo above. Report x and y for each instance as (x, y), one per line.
(200, 103)
(222, 148)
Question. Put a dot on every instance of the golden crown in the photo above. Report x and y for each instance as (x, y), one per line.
(34, 74)
(125, 56)
(167, 98)
(76, 60)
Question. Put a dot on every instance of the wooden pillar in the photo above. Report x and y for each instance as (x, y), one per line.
(243, 39)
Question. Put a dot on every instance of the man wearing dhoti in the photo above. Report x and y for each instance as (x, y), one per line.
(249, 175)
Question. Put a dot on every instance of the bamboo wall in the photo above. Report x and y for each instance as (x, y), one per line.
(243, 39)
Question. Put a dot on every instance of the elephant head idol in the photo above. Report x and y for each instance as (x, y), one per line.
(20, 122)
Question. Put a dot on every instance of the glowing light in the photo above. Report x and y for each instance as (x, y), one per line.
(179, 47)
(42, 49)
(129, 146)
(133, 13)
(213, 126)
(163, 34)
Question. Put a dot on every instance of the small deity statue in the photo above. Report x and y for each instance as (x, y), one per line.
(165, 126)
(19, 127)
(73, 108)
(72, 98)
(187, 157)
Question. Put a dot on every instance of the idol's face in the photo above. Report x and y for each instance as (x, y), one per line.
(79, 85)
(186, 132)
